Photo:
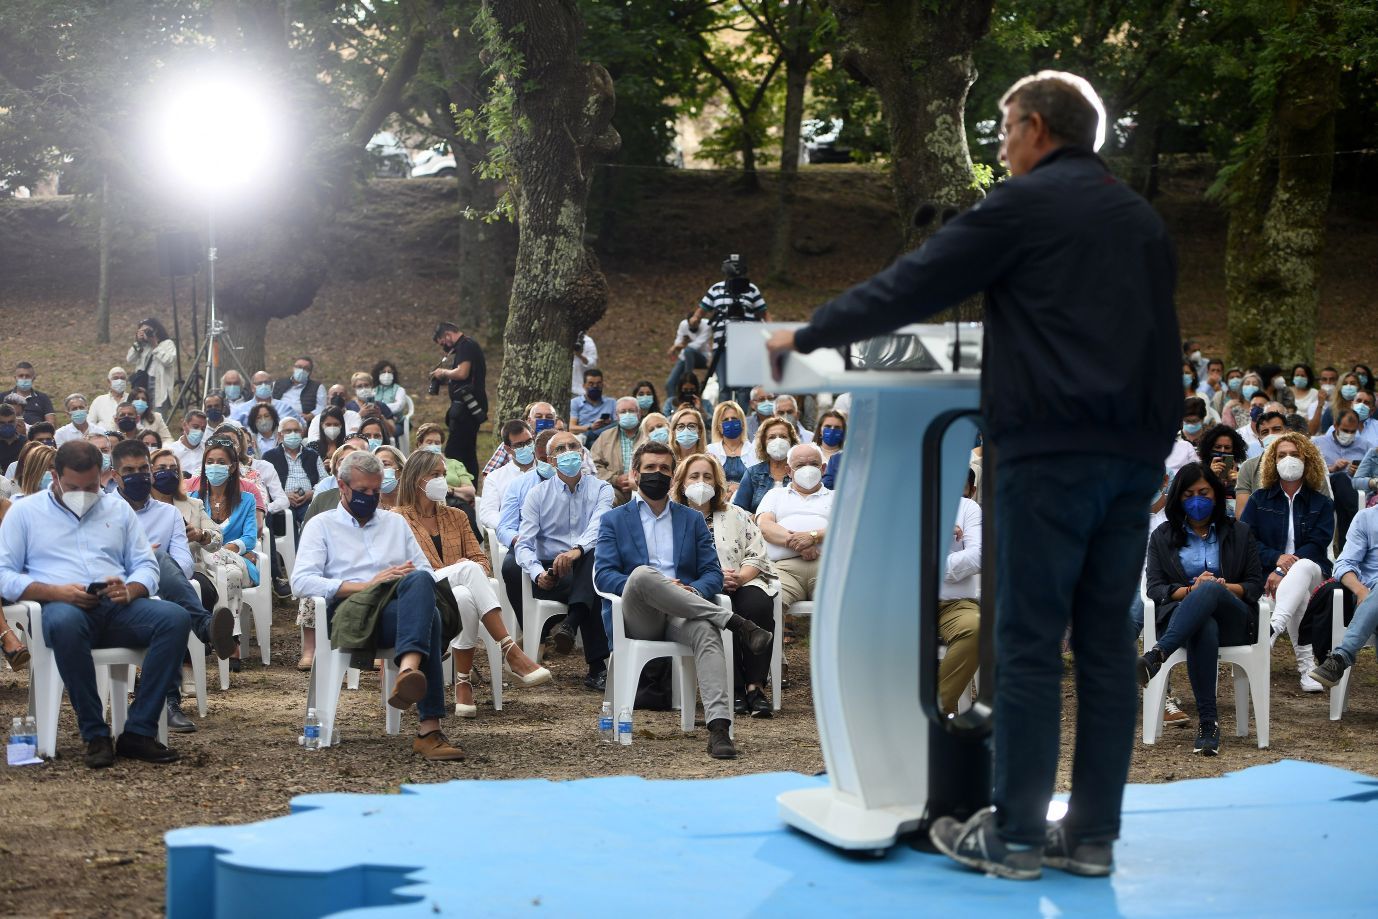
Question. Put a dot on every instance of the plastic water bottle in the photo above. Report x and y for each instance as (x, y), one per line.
(312, 731)
(31, 732)
(605, 732)
(20, 748)
(624, 727)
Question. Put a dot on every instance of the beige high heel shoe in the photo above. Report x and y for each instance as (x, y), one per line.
(534, 678)
(462, 709)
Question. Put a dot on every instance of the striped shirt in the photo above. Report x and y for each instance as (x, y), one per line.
(718, 301)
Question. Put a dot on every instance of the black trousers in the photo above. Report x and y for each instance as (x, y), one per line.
(585, 608)
(463, 442)
(1346, 506)
(752, 603)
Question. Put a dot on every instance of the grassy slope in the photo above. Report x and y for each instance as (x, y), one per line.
(668, 234)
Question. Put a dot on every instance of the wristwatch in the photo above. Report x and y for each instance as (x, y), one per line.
(814, 535)
(1279, 570)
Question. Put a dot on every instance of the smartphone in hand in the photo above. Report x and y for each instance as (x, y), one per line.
(95, 587)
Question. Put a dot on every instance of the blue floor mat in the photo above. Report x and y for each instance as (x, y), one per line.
(1277, 840)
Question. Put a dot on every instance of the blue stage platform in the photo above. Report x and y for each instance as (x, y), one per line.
(1287, 839)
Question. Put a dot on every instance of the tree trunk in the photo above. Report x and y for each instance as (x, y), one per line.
(918, 56)
(1143, 152)
(748, 180)
(563, 123)
(798, 62)
(249, 331)
(1277, 203)
(103, 289)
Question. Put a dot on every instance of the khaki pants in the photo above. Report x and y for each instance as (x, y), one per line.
(959, 626)
(798, 580)
(654, 609)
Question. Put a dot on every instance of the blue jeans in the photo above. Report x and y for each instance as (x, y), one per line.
(157, 625)
(410, 622)
(1360, 630)
(174, 587)
(1206, 618)
(1070, 536)
(689, 359)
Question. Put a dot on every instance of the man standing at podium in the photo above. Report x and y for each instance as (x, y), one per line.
(1081, 397)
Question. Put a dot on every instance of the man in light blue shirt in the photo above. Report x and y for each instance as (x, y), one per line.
(510, 516)
(262, 395)
(590, 414)
(167, 534)
(356, 546)
(555, 542)
(54, 546)
(1357, 570)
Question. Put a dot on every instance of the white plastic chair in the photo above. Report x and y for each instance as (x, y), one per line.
(631, 655)
(496, 663)
(115, 664)
(777, 654)
(404, 426)
(1252, 667)
(535, 614)
(801, 608)
(287, 545)
(328, 673)
(1339, 693)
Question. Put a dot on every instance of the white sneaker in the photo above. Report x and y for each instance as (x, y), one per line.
(1306, 660)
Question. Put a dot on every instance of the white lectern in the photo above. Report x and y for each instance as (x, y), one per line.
(892, 767)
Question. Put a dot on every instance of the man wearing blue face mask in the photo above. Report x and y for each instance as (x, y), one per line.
(11, 436)
(760, 408)
(262, 395)
(612, 452)
(1193, 423)
(232, 385)
(300, 391)
(559, 529)
(78, 427)
(518, 440)
(510, 514)
(590, 414)
(191, 446)
(299, 468)
(37, 406)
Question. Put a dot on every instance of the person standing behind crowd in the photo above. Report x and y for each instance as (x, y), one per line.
(467, 379)
(36, 405)
(1080, 410)
(585, 356)
(101, 415)
(153, 356)
(732, 298)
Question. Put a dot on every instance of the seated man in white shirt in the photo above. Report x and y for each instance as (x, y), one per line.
(959, 613)
(95, 598)
(517, 438)
(78, 427)
(356, 546)
(794, 521)
(555, 543)
(191, 447)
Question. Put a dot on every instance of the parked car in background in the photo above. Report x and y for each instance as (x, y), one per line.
(820, 142)
(434, 162)
(391, 159)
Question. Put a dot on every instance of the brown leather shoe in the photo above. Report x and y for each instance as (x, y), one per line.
(436, 747)
(409, 689)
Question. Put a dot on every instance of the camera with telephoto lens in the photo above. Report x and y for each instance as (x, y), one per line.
(435, 384)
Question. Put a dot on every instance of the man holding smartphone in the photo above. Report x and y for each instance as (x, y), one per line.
(1343, 451)
(98, 597)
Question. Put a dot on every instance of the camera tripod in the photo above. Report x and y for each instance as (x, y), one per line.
(208, 355)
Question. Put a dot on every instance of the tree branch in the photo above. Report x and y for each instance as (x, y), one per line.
(389, 95)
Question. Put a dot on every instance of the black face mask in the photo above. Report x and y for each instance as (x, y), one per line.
(166, 480)
(214, 415)
(362, 506)
(127, 424)
(136, 486)
(337, 401)
(653, 485)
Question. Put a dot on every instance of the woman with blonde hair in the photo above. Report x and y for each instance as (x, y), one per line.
(34, 468)
(730, 446)
(774, 438)
(654, 426)
(1293, 522)
(686, 434)
(393, 463)
(444, 534)
(749, 578)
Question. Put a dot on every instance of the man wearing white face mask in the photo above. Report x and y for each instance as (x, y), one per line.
(794, 522)
(99, 596)
(101, 415)
(1293, 523)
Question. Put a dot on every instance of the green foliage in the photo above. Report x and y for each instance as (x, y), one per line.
(495, 122)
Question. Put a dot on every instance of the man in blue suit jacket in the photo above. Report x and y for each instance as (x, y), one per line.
(659, 557)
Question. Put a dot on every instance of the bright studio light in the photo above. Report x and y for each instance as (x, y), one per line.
(217, 133)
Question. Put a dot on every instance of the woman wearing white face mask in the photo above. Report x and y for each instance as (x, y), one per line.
(444, 534)
(386, 388)
(749, 578)
(774, 438)
(1293, 522)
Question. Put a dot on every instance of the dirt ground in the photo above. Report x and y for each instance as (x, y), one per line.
(83, 843)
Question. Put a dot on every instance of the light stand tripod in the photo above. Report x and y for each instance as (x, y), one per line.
(209, 352)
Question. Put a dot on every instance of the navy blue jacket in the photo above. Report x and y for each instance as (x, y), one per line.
(622, 549)
(1082, 349)
(1313, 525)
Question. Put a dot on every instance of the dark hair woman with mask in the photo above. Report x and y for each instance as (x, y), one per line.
(1204, 578)
(331, 426)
